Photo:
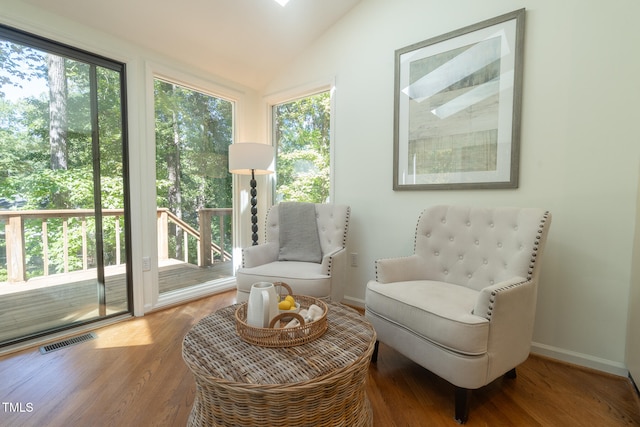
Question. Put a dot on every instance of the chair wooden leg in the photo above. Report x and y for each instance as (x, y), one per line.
(463, 396)
(511, 374)
(374, 355)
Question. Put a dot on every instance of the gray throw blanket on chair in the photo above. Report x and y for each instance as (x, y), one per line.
(299, 239)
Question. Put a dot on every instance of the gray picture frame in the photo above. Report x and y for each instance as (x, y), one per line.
(457, 108)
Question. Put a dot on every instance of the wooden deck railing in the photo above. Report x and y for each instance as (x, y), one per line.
(16, 255)
(206, 247)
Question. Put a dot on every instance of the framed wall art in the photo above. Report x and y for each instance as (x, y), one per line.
(457, 108)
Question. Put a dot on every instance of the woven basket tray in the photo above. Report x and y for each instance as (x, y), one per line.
(276, 335)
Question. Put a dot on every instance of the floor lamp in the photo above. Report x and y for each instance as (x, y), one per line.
(252, 158)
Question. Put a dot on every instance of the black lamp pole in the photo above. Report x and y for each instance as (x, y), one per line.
(257, 158)
(254, 209)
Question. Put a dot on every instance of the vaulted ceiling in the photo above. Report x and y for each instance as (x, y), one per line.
(245, 41)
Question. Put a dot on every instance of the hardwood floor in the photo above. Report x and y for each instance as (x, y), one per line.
(133, 375)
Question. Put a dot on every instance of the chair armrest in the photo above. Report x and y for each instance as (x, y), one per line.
(400, 269)
(329, 259)
(505, 293)
(510, 308)
(334, 265)
(254, 256)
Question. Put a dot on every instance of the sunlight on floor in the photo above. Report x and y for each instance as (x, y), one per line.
(137, 334)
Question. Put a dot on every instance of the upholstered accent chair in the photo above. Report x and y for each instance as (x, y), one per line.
(305, 247)
(463, 305)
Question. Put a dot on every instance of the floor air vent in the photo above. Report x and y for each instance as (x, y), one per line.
(66, 343)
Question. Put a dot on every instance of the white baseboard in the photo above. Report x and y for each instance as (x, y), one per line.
(355, 302)
(580, 359)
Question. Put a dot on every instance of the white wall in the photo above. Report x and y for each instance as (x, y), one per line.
(579, 151)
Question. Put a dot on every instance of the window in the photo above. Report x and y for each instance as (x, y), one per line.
(194, 187)
(303, 155)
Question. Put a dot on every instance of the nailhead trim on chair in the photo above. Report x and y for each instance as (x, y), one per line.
(415, 235)
(266, 224)
(346, 227)
(534, 254)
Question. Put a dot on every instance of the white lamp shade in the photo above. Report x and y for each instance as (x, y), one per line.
(247, 156)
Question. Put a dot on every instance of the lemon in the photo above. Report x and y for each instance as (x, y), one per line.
(284, 305)
(290, 299)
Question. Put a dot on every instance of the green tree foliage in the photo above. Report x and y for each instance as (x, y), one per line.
(193, 133)
(27, 174)
(20, 65)
(303, 140)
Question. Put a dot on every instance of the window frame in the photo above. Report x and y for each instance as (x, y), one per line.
(293, 95)
(153, 299)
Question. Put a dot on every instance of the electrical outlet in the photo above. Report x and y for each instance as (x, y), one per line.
(146, 263)
(354, 259)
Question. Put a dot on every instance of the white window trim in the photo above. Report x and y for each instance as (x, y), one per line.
(150, 293)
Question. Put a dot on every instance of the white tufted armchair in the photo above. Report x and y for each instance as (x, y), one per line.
(323, 279)
(463, 305)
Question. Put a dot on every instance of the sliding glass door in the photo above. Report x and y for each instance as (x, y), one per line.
(64, 241)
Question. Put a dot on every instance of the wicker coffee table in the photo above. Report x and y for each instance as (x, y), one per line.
(321, 383)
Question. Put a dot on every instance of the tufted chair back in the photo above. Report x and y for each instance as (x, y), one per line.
(477, 247)
(333, 223)
(326, 279)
